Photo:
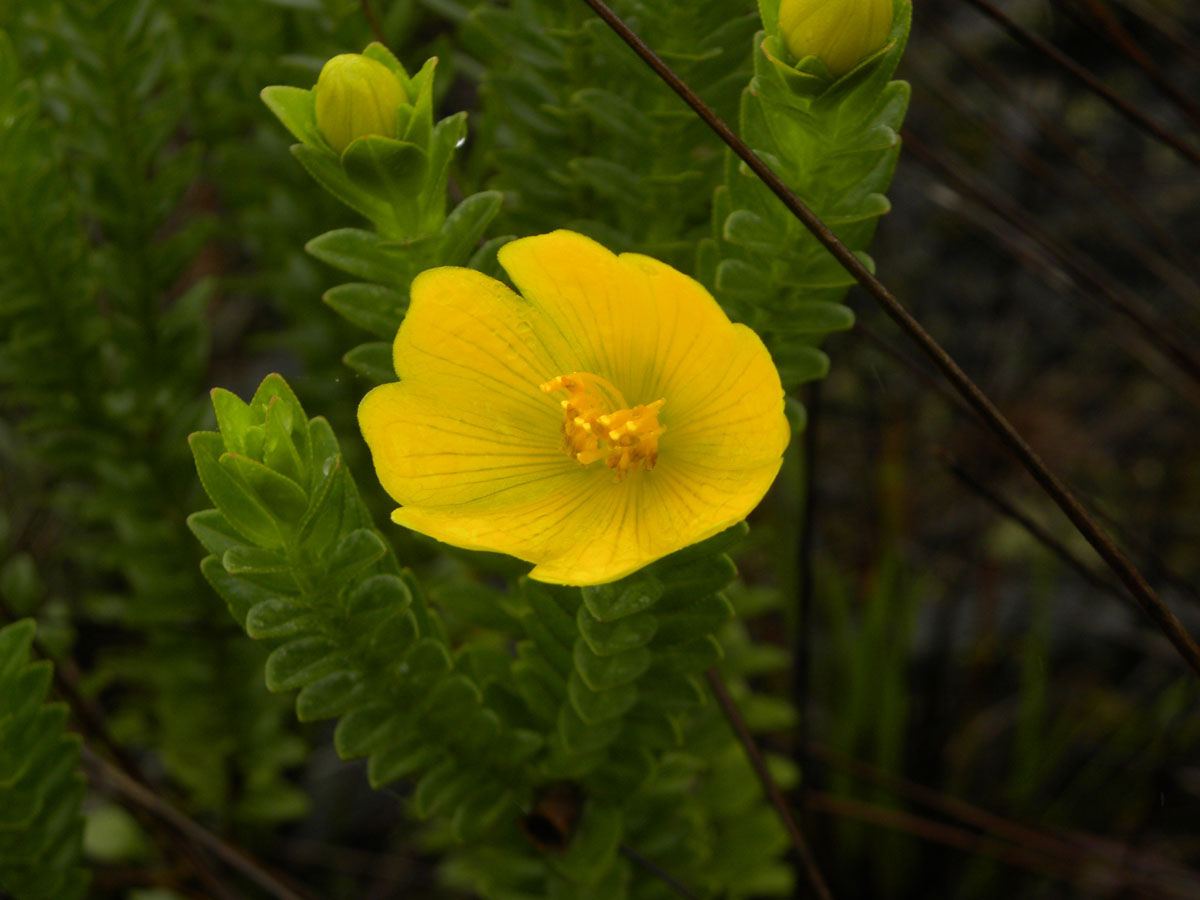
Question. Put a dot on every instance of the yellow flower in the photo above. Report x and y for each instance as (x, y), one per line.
(841, 33)
(604, 417)
(357, 96)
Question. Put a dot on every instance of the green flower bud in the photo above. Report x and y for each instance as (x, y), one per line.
(840, 33)
(357, 96)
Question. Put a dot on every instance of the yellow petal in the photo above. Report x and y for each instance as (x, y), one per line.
(473, 449)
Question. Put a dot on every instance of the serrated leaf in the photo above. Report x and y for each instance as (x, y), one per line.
(594, 707)
(618, 636)
(373, 361)
(467, 223)
(233, 498)
(355, 552)
(693, 656)
(817, 317)
(602, 672)
(368, 730)
(399, 762)
(326, 169)
(365, 255)
(331, 696)
(802, 364)
(373, 307)
(635, 594)
(211, 530)
(392, 171)
(280, 617)
(239, 595)
(440, 788)
(279, 495)
(301, 662)
(294, 107)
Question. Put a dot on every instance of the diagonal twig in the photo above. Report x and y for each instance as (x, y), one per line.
(1120, 104)
(1146, 597)
(725, 699)
(105, 773)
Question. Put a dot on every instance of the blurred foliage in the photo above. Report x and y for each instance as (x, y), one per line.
(156, 239)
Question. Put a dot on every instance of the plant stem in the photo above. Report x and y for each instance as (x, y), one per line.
(721, 692)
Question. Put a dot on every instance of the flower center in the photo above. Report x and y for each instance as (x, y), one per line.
(599, 424)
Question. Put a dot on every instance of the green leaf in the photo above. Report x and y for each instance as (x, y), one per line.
(213, 531)
(373, 307)
(333, 695)
(803, 364)
(239, 595)
(442, 787)
(618, 636)
(280, 496)
(694, 656)
(594, 845)
(614, 113)
(233, 498)
(466, 224)
(368, 730)
(603, 672)
(594, 707)
(354, 553)
(326, 169)
(234, 419)
(392, 171)
(279, 617)
(394, 763)
(302, 662)
(816, 317)
(634, 594)
(373, 361)
(365, 255)
(266, 568)
(294, 107)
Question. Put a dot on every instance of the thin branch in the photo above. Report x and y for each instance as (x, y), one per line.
(373, 22)
(1091, 851)
(1120, 104)
(1145, 595)
(657, 871)
(105, 773)
(802, 633)
(807, 861)
(1128, 44)
(1099, 280)
(1037, 531)
(1148, 256)
(91, 720)
(1093, 168)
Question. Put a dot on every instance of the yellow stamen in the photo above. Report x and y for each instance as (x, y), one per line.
(628, 437)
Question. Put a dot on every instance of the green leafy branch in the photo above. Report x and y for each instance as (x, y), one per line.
(41, 828)
(835, 143)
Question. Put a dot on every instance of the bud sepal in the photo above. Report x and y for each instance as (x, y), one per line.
(809, 75)
(398, 181)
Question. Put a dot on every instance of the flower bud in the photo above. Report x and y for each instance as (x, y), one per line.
(840, 33)
(357, 96)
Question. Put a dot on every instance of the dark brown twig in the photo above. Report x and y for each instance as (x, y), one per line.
(373, 22)
(1092, 168)
(1150, 602)
(105, 773)
(1089, 273)
(807, 861)
(1007, 509)
(657, 871)
(1120, 104)
(1120, 37)
(805, 594)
